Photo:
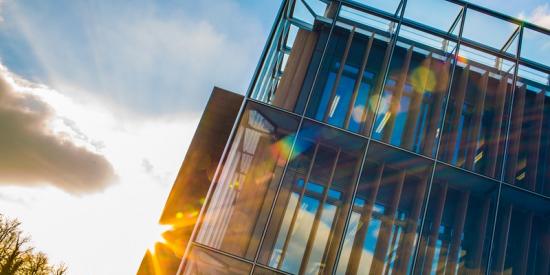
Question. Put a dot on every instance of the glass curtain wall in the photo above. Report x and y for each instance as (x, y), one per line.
(356, 195)
(528, 162)
(383, 228)
(309, 216)
(412, 102)
(345, 94)
(244, 192)
(457, 228)
(475, 125)
(522, 235)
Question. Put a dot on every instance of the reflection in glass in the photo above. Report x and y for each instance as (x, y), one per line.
(293, 53)
(205, 262)
(344, 92)
(410, 111)
(458, 224)
(475, 125)
(528, 162)
(264, 271)
(522, 238)
(244, 193)
(309, 215)
(382, 231)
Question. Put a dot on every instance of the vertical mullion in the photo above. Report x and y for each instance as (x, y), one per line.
(471, 147)
(397, 95)
(383, 242)
(451, 138)
(503, 239)
(292, 148)
(515, 135)
(343, 61)
(332, 255)
(433, 128)
(358, 82)
(443, 124)
(525, 244)
(259, 71)
(407, 248)
(364, 220)
(505, 170)
(369, 122)
(534, 144)
(494, 145)
(477, 254)
(381, 83)
(295, 214)
(454, 249)
(414, 108)
(434, 234)
(317, 218)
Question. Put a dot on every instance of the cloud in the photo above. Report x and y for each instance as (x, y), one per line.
(539, 16)
(140, 57)
(31, 154)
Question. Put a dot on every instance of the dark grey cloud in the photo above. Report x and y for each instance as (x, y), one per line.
(30, 154)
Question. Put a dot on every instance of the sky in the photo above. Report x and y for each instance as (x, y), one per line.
(99, 101)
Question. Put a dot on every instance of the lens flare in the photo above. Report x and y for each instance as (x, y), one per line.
(423, 79)
(462, 59)
(282, 148)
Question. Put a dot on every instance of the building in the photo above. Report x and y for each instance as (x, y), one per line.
(376, 138)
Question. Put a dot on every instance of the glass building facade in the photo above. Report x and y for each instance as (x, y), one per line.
(378, 139)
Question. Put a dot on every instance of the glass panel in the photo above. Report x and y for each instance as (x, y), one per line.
(442, 20)
(458, 223)
(522, 237)
(236, 215)
(264, 271)
(412, 102)
(310, 212)
(528, 162)
(344, 94)
(295, 50)
(382, 231)
(205, 262)
(480, 28)
(476, 120)
(301, 11)
(534, 47)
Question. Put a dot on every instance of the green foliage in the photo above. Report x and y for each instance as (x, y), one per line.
(17, 256)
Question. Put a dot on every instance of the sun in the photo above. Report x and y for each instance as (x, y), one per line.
(155, 236)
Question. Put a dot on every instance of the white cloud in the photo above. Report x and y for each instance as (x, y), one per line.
(105, 232)
(33, 154)
(540, 15)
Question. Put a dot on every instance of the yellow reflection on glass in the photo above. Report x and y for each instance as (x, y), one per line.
(423, 78)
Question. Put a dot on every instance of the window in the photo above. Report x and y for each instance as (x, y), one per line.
(458, 224)
(382, 230)
(477, 114)
(522, 236)
(413, 99)
(304, 232)
(344, 94)
(244, 191)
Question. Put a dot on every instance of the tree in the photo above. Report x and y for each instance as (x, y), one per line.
(17, 256)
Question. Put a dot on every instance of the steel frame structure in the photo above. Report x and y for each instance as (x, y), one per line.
(271, 60)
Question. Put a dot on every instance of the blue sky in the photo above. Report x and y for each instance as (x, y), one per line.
(126, 82)
(150, 57)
